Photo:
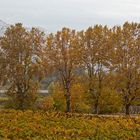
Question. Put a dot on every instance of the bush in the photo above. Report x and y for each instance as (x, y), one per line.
(78, 103)
(110, 102)
(46, 103)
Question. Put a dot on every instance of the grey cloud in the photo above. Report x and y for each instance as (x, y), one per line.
(78, 14)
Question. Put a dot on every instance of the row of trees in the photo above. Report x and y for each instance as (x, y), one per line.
(108, 57)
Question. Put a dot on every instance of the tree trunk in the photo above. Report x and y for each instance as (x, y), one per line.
(68, 101)
(21, 103)
(127, 107)
(96, 108)
(20, 97)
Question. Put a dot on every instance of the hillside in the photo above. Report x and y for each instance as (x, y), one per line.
(3, 27)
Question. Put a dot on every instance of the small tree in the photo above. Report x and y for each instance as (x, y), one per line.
(22, 51)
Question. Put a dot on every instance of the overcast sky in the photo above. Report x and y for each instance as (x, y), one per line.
(77, 14)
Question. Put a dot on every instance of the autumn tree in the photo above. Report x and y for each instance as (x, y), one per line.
(22, 56)
(95, 57)
(61, 54)
(127, 62)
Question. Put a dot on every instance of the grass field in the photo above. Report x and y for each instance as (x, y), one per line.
(29, 125)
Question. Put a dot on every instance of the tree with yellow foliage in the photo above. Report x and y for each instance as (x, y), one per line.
(61, 54)
(22, 56)
(95, 58)
(127, 62)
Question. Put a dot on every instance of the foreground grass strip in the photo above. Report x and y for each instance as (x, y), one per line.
(29, 125)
